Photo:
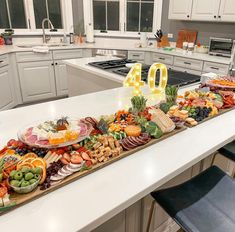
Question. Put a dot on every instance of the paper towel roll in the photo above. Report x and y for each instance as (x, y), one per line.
(89, 34)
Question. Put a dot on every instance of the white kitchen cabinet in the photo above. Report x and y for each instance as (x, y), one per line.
(37, 80)
(180, 9)
(205, 10)
(7, 99)
(188, 63)
(227, 11)
(138, 56)
(163, 58)
(61, 78)
(217, 68)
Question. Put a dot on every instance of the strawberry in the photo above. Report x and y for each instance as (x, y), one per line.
(81, 149)
(64, 161)
(11, 142)
(88, 163)
(60, 151)
(67, 156)
(76, 159)
(85, 156)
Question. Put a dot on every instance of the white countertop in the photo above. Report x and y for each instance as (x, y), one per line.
(122, 46)
(83, 64)
(90, 201)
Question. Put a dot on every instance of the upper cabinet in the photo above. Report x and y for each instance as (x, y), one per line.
(205, 10)
(202, 10)
(180, 9)
(227, 11)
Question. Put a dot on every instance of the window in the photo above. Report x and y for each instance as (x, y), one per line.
(123, 17)
(25, 16)
(139, 15)
(12, 14)
(106, 15)
(47, 9)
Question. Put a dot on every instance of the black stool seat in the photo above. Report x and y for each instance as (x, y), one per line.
(206, 203)
(228, 151)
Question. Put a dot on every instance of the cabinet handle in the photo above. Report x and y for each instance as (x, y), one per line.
(52, 64)
(1, 61)
(215, 16)
(187, 16)
(187, 63)
(219, 17)
(161, 58)
(56, 63)
(135, 55)
(214, 68)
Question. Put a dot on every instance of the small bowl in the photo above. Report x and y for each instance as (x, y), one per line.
(26, 189)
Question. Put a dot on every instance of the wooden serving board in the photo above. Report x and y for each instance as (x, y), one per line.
(223, 111)
(21, 199)
(186, 36)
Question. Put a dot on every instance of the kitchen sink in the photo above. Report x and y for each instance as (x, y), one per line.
(41, 45)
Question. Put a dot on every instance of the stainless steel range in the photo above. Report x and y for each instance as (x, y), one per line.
(119, 67)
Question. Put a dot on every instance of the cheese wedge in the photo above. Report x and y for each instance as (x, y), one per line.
(162, 120)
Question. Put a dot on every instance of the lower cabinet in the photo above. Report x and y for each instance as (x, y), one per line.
(7, 99)
(61, 78)
(37, 80)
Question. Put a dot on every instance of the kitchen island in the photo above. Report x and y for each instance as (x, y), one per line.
(87, 203)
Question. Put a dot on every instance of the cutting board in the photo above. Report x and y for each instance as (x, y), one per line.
(186, 36)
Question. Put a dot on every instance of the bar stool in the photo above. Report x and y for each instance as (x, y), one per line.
(227, 151)
(206, 203)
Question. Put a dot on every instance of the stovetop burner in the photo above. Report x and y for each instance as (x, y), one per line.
(110, 64)
(119, 67)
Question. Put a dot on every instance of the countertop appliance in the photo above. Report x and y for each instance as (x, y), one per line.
(119, 67)
(221, 47)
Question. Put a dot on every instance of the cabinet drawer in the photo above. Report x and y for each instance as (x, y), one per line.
(162, 58)
(188, 63)
(32, 56)
(136, 55)
(67, 54)
(187, 70)
(4, 60)
(215, 68)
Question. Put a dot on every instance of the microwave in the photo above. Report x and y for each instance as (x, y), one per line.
(221, 47)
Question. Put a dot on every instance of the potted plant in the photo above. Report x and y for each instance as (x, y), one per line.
(7, 36)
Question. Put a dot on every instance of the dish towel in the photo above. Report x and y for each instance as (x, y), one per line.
(41, 49)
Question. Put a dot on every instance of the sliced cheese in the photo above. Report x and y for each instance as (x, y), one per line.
(162, 120)
(6, 200)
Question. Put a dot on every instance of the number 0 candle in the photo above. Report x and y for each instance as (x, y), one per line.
(152, 78)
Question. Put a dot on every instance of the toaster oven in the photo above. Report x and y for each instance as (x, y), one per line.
(221, 47)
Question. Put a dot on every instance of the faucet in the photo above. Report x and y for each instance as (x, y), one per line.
(45, 39)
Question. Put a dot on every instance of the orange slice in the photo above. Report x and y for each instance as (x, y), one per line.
(30, 155)
(27, 160)
(25, 164)
(44, 175)
(39, 162)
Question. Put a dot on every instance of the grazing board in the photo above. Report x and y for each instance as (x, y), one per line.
(21, 199)
(223, 111)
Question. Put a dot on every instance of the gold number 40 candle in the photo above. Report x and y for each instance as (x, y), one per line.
(133, 79)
